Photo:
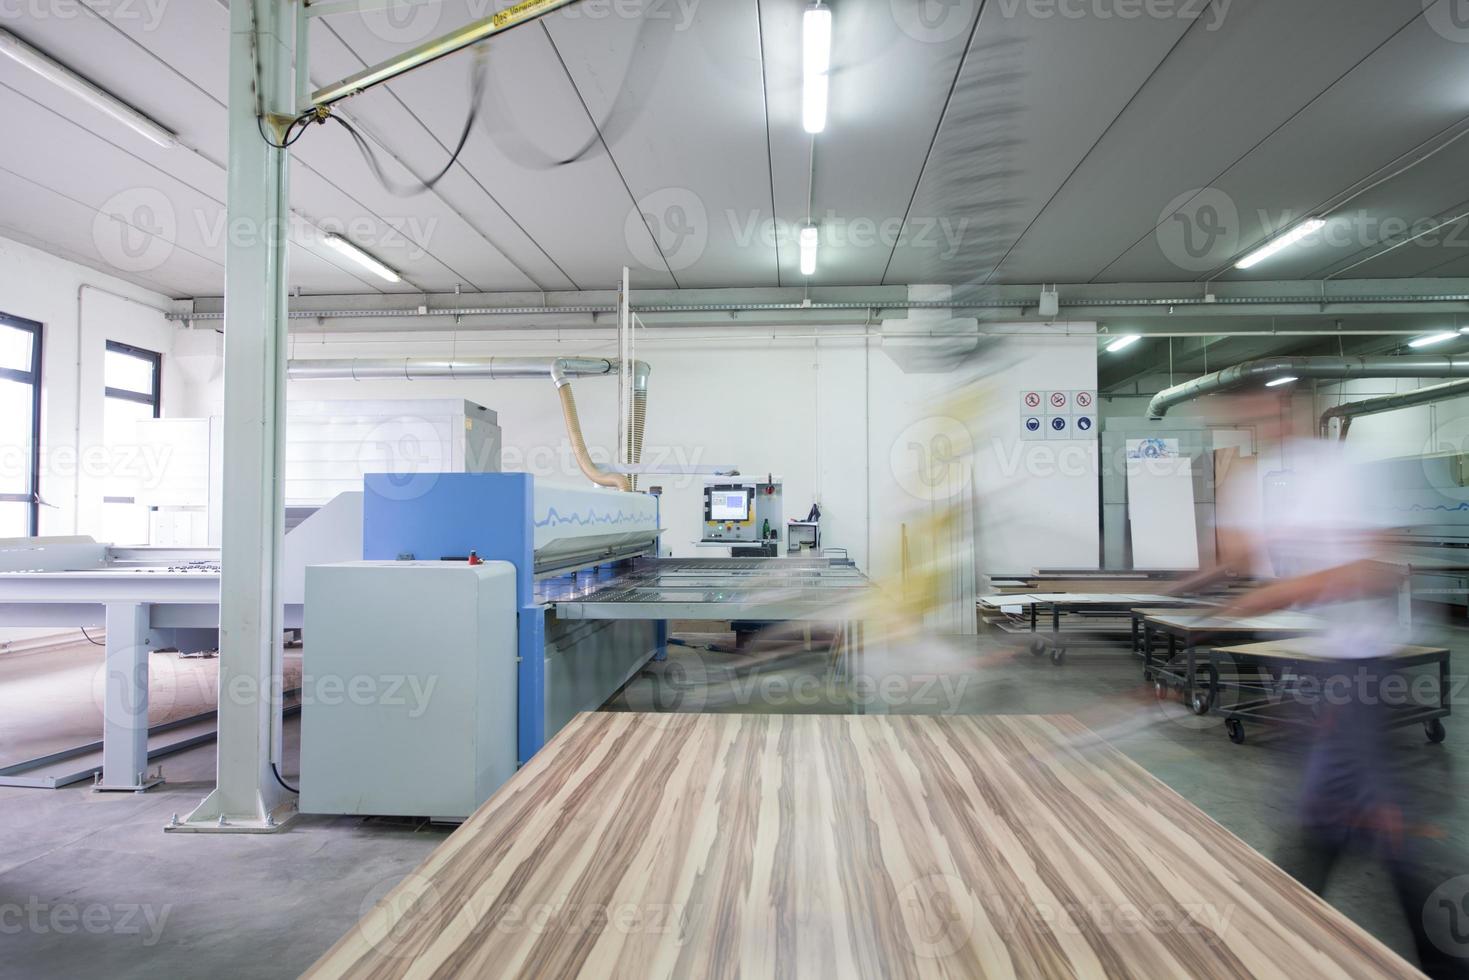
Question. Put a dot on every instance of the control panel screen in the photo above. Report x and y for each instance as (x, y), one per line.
(729, 505)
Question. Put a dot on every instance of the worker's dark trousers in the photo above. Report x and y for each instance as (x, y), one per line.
(1356, 794)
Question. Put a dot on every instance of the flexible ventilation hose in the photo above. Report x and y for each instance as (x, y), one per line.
(579, 446)
(639, 417)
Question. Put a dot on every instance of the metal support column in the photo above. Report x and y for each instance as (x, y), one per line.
(247, 797)
(125, 700)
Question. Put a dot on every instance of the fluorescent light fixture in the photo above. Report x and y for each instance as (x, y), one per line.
(816, 62)
(361, 258)
(1307, 227)
(1122, 343)
(63, 77)
(1281, 381)
(809, 240)
(1433, 338)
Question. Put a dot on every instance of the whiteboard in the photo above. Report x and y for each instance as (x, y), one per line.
(1160, 507)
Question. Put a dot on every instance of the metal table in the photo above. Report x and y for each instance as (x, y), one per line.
(1072, 603)
(1187, 630)
(737, 590)
(130, 603)
(765, 589)
(1285, 661)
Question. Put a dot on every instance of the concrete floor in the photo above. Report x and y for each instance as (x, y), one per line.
(90, 885)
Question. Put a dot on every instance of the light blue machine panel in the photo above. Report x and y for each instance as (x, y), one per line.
(505, 517)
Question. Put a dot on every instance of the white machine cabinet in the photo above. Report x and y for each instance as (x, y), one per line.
(408, 687)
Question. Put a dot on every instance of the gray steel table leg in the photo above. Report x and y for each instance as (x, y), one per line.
(125, 705)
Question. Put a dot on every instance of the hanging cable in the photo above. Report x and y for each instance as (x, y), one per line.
(476, 97)
(90, 640)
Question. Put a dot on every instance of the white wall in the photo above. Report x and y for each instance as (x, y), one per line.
(80, 310)
(835, 420)
(1039, 500)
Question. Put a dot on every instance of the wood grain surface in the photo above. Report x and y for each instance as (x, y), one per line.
(669, 845)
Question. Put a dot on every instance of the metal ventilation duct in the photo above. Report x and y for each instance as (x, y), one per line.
(1315, 368)
(1388, 403)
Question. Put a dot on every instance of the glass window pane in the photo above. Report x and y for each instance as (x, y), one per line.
(120, 436)
(15, 348)
(129, 372)
(15, 437)
(14, 519)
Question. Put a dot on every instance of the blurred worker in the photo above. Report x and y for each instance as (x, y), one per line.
(1320, 537)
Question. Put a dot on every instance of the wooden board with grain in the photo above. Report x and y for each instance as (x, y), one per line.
(642, 845)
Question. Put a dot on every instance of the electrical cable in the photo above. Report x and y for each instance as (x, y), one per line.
(287, 141)
(89, 638)
(276, 771)
(476, 100)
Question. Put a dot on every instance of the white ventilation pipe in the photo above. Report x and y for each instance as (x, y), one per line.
(1315, 368)
(1389, 403)
(558, 370)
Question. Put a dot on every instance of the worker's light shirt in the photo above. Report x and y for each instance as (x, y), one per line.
(1322, 512)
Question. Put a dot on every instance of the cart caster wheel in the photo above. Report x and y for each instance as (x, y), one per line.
(1058, 656)
(1037, 647)
(1201, 702)
(1236, 731)
(1147, 677)
(1160, 690)
(1434, 730)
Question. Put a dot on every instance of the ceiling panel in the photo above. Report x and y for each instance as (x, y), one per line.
(1219, 93)
(1035, 96)
(532, 119)
(1065, 137)
(1434, 189)
(890, 77)
(1391, 103)
(678, 97)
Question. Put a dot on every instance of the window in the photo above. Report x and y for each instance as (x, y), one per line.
(133, 380)
(20, 427)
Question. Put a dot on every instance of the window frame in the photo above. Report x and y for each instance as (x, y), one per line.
(153, 399)
(32, 378)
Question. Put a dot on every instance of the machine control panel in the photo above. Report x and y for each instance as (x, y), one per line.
(743, 512)
(729, 513)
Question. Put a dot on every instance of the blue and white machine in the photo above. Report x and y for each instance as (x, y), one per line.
(393, 615)
(474, 584)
